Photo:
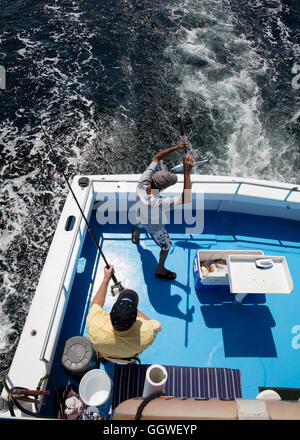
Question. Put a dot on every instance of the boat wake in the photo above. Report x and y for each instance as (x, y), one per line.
(231, 87)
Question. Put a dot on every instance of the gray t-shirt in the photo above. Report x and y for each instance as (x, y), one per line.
(150, 208)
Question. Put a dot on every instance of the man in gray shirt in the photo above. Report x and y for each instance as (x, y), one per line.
(151, 207)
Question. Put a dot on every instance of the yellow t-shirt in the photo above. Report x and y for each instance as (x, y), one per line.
(124, 344)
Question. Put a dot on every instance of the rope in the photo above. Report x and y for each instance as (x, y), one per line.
(10, 399)
(145, 402)
(56, 391)
(13, 401)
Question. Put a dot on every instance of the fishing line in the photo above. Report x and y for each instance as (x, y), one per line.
(117, 287)
(179, 168)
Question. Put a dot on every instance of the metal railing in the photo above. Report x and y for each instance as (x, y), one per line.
(230, 180)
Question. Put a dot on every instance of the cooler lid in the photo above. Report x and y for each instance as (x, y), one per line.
(253, 274)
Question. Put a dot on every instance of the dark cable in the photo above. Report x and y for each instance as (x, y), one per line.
(145, 402)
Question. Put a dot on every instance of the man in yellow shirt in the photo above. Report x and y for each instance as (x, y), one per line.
(122, 334)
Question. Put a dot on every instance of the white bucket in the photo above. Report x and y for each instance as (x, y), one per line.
(268, 395)
(95, 387)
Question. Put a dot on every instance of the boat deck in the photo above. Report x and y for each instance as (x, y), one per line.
(261, 337)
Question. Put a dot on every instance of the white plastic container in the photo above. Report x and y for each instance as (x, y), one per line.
(215, 279)
(245, 276)
(268, 395)
(95, 387)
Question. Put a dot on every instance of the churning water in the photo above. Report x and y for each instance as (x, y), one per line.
(107, 78)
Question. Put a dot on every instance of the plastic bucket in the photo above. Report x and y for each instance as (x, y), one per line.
(95, 387)
(268, 395)
(78, 357)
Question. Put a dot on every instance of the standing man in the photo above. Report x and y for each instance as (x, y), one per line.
(122, 334)
(151, 206)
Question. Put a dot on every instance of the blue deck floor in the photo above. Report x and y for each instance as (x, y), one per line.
(261, 337)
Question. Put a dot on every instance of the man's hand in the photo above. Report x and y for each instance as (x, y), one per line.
(100, 296)
(108, 272)
(183, 145)
(188, 163)
(164, 153)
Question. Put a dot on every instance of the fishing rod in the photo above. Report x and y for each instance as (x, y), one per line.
(117, 287)
(179, 168)
(181, 130)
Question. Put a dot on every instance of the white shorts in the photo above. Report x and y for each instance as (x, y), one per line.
(162, 238)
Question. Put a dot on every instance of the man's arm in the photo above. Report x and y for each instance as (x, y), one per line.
(164, 153)
(146, 177)
(100, 296)
(186, 196)
(141, 315)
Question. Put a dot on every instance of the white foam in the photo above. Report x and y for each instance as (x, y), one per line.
(295, 116)
(234, 96)
(6, 329)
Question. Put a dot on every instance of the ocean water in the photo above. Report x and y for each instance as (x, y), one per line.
(106, 79)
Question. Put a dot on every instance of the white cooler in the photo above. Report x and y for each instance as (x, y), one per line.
(248, 271)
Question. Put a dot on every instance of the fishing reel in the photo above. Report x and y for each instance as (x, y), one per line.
(117, 288)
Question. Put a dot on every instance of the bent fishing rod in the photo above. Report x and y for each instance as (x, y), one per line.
(117, 287)
(181, 130)
(179, 168)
